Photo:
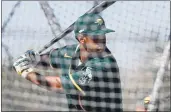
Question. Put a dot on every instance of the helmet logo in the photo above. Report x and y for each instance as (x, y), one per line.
(99, 21)
(81, 31)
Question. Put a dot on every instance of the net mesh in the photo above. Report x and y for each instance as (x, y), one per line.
(142, 30)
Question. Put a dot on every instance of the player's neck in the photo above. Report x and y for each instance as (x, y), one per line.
(83, 54)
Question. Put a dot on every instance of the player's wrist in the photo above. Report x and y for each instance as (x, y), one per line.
(25, 73)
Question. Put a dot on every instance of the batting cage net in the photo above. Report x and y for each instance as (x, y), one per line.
(140, 45)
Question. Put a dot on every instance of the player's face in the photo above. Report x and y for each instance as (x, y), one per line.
(95, 43)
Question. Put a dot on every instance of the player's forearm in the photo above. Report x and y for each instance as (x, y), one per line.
(33, 78)
(48, 82)
(27, 65)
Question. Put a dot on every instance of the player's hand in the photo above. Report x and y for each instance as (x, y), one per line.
(26, 61)
(33, 56)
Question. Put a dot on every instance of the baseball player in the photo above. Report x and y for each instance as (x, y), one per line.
(86, 72)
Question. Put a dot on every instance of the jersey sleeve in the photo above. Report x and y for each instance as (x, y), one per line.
(54, 58)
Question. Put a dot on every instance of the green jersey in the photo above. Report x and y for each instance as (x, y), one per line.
(93, 85)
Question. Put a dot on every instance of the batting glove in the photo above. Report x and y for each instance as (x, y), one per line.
(26, 62)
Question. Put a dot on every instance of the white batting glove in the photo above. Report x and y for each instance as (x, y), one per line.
(26, 62)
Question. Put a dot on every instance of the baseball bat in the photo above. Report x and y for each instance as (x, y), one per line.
(96, 9)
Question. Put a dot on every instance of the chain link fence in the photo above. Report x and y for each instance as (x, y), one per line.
(142, 32)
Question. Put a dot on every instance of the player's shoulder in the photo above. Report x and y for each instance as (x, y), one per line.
(107, 57)
(67, 50)
(106, 62)
(68, 47)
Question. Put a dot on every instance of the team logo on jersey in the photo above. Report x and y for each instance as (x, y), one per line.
(87, 76)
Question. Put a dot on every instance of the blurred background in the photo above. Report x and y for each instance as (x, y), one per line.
(142, 30)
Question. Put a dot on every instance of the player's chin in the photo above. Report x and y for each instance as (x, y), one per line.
(96, 53)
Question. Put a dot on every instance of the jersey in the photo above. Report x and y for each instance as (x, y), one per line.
(93, 85)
